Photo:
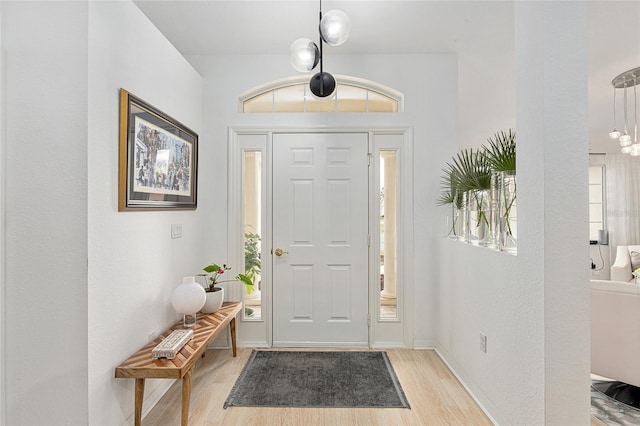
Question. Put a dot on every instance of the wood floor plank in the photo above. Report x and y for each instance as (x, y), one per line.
(435, 395)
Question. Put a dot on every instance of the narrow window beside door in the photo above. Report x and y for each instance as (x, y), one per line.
(388, 235)
(253, 233)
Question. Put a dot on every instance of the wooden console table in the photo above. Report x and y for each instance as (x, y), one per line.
(141, 366)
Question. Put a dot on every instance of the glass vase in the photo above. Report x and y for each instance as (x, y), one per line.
(454, 220)
(479, 214)
(493, 235)
(509, 212)
(463, 218)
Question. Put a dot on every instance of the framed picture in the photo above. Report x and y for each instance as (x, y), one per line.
(158, 159)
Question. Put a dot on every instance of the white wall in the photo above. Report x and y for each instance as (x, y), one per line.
(486, 88)
(61, 208)
(534, 308)
(430, 85)
(3, 411)
(474, 299)
(134, 265)
(551, 115)
(45, 151)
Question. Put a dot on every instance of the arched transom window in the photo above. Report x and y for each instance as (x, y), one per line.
(293, 95)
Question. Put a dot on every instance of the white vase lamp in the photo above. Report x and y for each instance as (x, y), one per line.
(187, 299)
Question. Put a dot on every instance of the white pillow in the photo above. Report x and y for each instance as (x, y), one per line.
(635, 260)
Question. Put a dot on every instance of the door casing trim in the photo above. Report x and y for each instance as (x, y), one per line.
(259, 333)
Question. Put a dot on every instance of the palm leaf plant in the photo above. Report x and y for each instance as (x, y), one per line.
(475, 177)
(450, 196)
(469, 170)
(472, 170)
(501, 154)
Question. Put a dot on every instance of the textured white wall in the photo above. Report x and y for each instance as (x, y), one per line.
(552, 120)
(534, 308)
(134, 265)
(479, 292)
(46, 212)
(3, 402)
(487, 89)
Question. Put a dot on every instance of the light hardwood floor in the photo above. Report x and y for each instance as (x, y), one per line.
(435, 395)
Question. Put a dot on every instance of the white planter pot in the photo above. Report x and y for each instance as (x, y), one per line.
(214, 301)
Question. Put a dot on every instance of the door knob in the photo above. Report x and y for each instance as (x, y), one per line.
(280, 252)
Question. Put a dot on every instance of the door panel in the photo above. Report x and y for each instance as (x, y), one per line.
(320, 222)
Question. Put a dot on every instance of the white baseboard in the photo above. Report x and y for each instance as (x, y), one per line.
(255, 344)
(287, 344)
(388, 345)
(424, 344)
(472, 388)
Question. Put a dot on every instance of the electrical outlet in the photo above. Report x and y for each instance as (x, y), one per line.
(152, 335)
(483, 343)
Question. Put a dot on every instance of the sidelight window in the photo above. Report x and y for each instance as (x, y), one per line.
(388, 234)
(253, 233)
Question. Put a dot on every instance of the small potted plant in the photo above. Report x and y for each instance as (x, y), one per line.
(215, 295)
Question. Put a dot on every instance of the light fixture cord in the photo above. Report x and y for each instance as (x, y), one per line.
(625, 106)
(321, 65)
(635, 111)
(615, 121)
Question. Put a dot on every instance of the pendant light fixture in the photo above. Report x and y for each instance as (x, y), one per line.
(623, 81)
(305, 54)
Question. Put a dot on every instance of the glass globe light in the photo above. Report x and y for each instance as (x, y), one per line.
(626, 149)
(335, 27)
(635, 149)
(304, 55)
(328, 87)
(187, 299)
(625, 140)
(615, 134)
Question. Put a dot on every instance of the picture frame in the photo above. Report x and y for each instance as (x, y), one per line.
(158, 159)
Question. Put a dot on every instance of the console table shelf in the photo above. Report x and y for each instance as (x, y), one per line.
(141, 365)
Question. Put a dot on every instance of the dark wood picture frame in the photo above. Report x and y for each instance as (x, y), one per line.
(158, 164)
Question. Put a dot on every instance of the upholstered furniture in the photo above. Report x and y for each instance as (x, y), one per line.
(615, 330)
(627, 260)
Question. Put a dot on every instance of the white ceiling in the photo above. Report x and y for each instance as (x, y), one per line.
(268, 27)
(211, 27)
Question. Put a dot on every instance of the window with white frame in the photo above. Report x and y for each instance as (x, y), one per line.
(293, 95)
(597, 200)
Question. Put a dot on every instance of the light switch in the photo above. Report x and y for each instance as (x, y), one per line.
(176, 230)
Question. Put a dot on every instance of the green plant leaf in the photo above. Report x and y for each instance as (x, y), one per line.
(211, 268)
(247, 279)
(501, 152)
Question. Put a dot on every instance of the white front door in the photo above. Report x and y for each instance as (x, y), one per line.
(320, 223)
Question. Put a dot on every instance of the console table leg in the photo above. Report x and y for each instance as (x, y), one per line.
(138, 401)
(232, 327)
(186, 396)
